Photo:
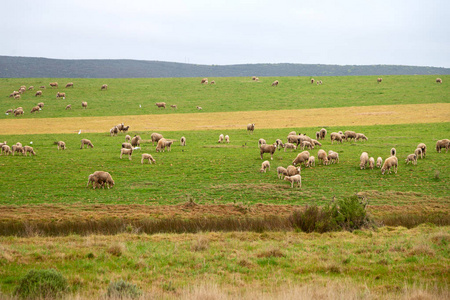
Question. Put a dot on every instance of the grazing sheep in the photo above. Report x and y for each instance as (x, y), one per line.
(31, 88)
(294, 179)
(317, 135)
(256, 79)
(445, 143)
(100, 178)
(168, 145)
(303, 138)
(29, 149)
(149, 157)
(16, 97)
(213, 82)
(61, 145)
(9, 111)
(35, 109)
(275, 83)
(333, 157)
(204, 81)
(289, 146)
(264, 166)
(69, 106)
(281, 171)
(127, 146)
(183, 141)
(312, 80)
(279, 144)
(156, 137)
(292, 133)
(18, 111)
(250, 127)
(127, 138)
(120, 126)
(53, 84)
(161, 146)
(104, 87)
(292, 170)
(311, 162)
(316, 143)
(322, 155)
(379, 80)
(173, 106)
(84, 104)
(438, 80)
(319, 82)
(261, 142)
(60, 95)
(308, 145)
(70, 84)
(364, 159)
(301, 158)
(360, 136)
(227, 139)
(379, 162)
(393, 152)
(390, 162)
(424, 149)
(38, 93)
(42, 87)
(126, 151)
(322, 133)
(294, 139)
(334, 136)
(1, 144)
(13, 94)
(161, 104)
(268, 149)
(18, 149)
(86, 142)
(220, 138)
(199, 108)
(5, 148)
(371, 163)
(40, 104)
(125, 128)
(419, 153)
(349, 135)
(411, 158)
(19, 144)
(136, 140)
(114, 131)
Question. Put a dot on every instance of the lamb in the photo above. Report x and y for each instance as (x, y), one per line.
(19, 144)
(213, 82)
(227, 139)
(13, 94)
(183, 141)
(100, 178)
(268, 149)
(390, 162)
(38, 93)
(9, 111)
(423, 147)
(371, 163)
(69, 106)
(281, 171)
(61, 145)
(31, 88)
(335, 137)
(29, 149)
(125, 128)
(127, 138)
(1, 144)
(18, 149)
(261, 142)
(275, 83)
(364, 159)
(35, 109)
(40, 104)
(127, 146)
(149, 157)
(304, 138)
(253, 77)
(293, 139)
(135, 141)
(86, 142)
(250, 127)
(174, 106)
(445, 143)
(411, 158)
(322, 133)
(264, 166)
(333, 157)
(161, 104)
(70, 84)
(18, 111)
(294, 179)
(104, 87)
(311, 161)
(393, 152)
(126, 151)
(199, 108)
(349, 135)
(84, 104)
(114, 131)
(316, 143)
(438, 80)
(279, 144)
(306, 144)
(312, 80)
(379, 79)
(256, 79)
(289, 146)
(291, 170)
(155, 137)
(419, 153)
(317, 135)
(360, 136)
(53, 84)
(161, 146)
(5, 148)
(16, 97)
(301, 158)
(204, 81)
(60, 95)
(168, 144)
(322, 155)
(379, 162)
(292, 133)
(220, 138)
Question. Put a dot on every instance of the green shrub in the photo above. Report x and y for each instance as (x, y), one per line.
(48, 283)
(123, 289)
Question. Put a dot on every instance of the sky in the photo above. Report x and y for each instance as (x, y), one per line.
(224, 32)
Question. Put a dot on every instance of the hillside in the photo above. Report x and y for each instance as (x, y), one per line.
(26, 67)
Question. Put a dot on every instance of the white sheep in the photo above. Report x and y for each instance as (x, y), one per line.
(281, 171)
(419, 153)
(444, 143)
(424, 149)
(301, 158)
(335, 136)
(393, 152)
(360, 136)
(411, 158)
(371, 163)
(311, 161)
(390, 163)
(183, 141)
(294, 179)
(127, 138)
(279, 144)
(379, 162)
(322, 155)
(267, 149)
(149, 157)
(292, 170)
(364, 159)
(127, 146)
(264, 166)
(289, 146)
(261, 142)
(61, 145)
(251, 127)
(333, 157)
(220, 138)
(126, 151)
(227, 139)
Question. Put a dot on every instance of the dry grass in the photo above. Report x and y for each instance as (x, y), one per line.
(342, 116)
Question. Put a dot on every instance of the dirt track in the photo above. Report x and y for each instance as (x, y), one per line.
(343, 116)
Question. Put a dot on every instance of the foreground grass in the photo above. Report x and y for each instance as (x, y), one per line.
(138, 96)
(377, 264)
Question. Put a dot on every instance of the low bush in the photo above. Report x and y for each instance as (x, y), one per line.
(42, 284)
(122, 289)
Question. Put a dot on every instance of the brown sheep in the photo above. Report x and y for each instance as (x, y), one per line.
(100, 178)
(86, 142)
(204, 81)
(69, 107)
(317, 135)
(40, 104)
(35, 109)
(316, 143)
(424, 148)
(161, 104)
(268, 149)
(438, 80)
(29, 149)
(334, 136)
(156, 137)
(174, 106)
(125, 151)
(146, 156)
(183, 141)
(13, 94)
(136, 140)
(379, 80)
(311, 162)
(60, 95)
(53, 84)
(38, 93)
(279, 144)
(168, 145)
(61, 145)
(250, 127)
(84, 104)
(390, 162)
(349, 135)
(104, 87)
(275, 83)
(301, 158)
(445, 143)
(70, 84)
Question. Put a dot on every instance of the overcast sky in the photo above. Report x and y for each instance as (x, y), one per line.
(222, 32)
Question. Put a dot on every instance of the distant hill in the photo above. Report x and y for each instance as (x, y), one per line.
(23, 67)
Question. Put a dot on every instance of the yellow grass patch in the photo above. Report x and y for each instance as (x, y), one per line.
(342, 116)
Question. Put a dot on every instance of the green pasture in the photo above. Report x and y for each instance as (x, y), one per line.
(208, 172)
(138, 96)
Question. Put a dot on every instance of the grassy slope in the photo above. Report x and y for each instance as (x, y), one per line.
(228, 94)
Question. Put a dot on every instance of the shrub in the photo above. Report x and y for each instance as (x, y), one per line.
(47, 283)
(122, 289)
